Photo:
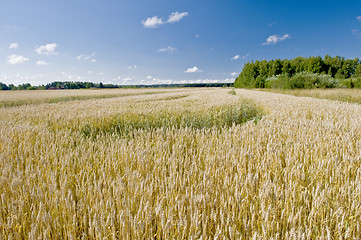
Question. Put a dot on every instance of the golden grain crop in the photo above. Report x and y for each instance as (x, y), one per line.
(292, 174)
(338, 94)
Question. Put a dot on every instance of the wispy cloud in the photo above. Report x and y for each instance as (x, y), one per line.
(132, 67)
(17, 59)
(272, 23)
(273, 39)
(169, 49)
(13, 27)
(176, 17)
(193, 70)
(233, 74)
(48, 49)
(155, 21)
(41, 63)
(356, 33)
(245, 56)
(86, 57)
(13, 46)
(358, 18)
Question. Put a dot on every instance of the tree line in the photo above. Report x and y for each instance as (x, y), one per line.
(300, 72)
(91, 85)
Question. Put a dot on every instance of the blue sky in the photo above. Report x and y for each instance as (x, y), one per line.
(166, 41)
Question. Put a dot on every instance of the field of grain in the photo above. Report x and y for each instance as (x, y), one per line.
(337, 94)
(180, 164)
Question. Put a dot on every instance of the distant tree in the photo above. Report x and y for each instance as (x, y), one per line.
(3, 86)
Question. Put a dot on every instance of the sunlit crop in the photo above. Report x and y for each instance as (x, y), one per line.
(181, 164)
(338, 94)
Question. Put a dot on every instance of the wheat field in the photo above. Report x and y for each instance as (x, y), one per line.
(338, 94)
(179, 164)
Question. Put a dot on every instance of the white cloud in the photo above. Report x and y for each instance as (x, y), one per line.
(149, 77)
(358, 18)
(127, 79)
(193, 70)
(41, 62)
(13, 46)
(152, 22)
(235, 57)
(19, 78)
(155, 21)
(48, 49)
(197, 35)
(273, 39)
(132, 67)
(176, 17)
(168, 49)
(233, 74)
(87, 57)
(17, 59)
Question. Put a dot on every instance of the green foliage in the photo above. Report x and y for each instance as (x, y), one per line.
(312, 72)
(301, 80)
(280, 81)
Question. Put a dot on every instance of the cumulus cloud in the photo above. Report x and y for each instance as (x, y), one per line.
(168, 49)
(176, 17)
(273, 39)
(48, 49)
(13, 46)
(152, 22)
(17, 59)
(233, 74)
(193, 70)
(149, 77)
(41, 63)
(155, 21)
